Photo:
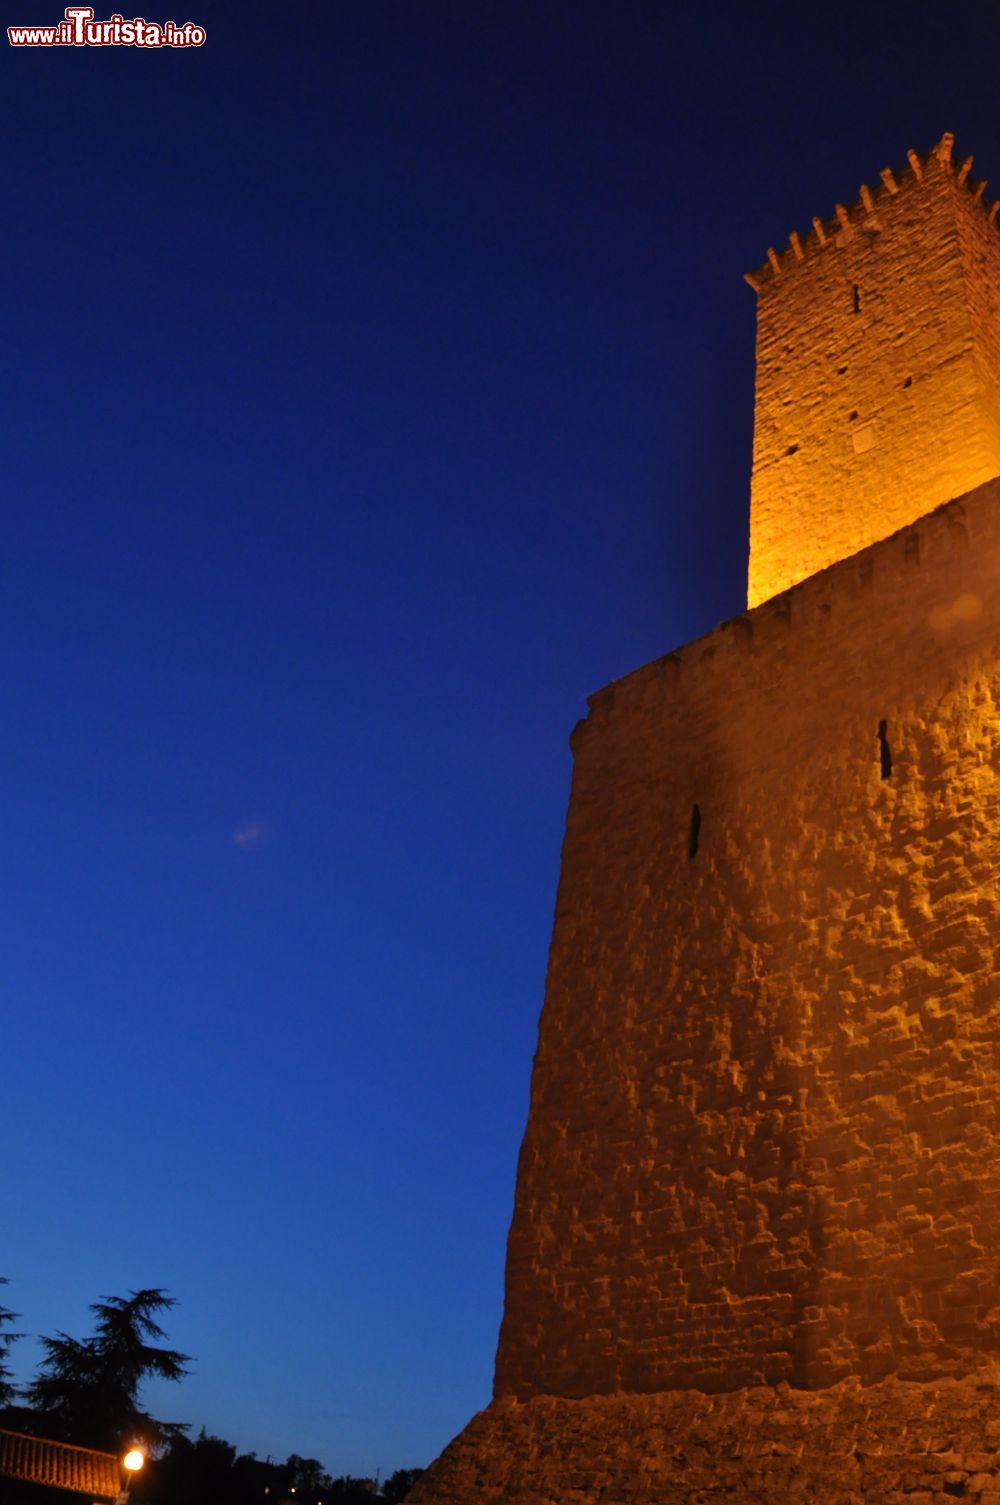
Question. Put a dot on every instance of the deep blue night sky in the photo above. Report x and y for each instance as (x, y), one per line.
(377, 384)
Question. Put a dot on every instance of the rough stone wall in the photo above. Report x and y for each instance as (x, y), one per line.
(878, 371)
(894, 1443)
(763, 1137)
(979, 237)
(755, 1252)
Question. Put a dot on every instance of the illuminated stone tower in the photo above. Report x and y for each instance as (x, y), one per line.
(755, 1251)
(878, 370)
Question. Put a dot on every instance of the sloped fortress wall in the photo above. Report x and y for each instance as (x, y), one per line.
(763, 1153)
(878, 369)
(755, 1251)
(894, 1444)
(764, 1136)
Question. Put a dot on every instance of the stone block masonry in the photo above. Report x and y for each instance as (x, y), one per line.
(764, 1136)
(755, 1250)
(897, 1444)
(756, 1237)
(878, 370)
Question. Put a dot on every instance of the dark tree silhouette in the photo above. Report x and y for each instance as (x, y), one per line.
(198, 1472)
(205, 1471)
(399, 1484)
(7, 1389)
(350, 1491)
(88, 1391)
(307, 1476)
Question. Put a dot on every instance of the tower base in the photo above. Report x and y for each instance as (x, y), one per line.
(896, 1442)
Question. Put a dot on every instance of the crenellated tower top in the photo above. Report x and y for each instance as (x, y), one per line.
(878, 368)
(863, 214)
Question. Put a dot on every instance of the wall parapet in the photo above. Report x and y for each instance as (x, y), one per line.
(761, 630)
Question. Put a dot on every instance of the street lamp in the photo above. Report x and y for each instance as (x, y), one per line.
(131, 1463)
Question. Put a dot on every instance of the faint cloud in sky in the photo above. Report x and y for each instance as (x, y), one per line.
(249, 833)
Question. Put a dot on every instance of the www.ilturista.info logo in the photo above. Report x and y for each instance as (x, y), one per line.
(81, 30)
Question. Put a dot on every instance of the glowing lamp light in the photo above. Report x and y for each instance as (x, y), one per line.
(133, 1460)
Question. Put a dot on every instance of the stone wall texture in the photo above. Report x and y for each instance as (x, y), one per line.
(878, 371)
(764, 1135)
(895, 1443)
(755, 1250)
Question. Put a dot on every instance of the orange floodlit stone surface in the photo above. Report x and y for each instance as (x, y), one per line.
(878, 369)
(755, 1251)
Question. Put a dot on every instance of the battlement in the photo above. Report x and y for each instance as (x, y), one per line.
(863, 213)
(878, 369)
